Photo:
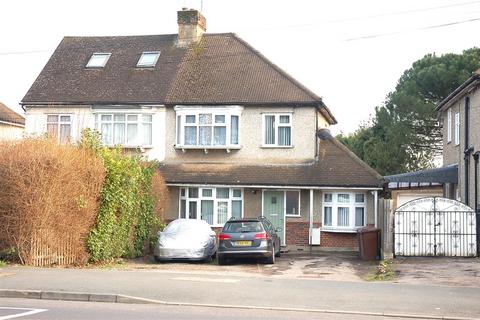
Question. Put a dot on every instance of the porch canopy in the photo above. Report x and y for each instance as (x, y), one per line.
(424, 178)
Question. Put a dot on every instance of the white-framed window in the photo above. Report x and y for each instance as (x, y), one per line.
(449, 125)
(277, 130)
(60, 126)
(98, 60)
(148, 59)
(215, 205)
(344, 210)
(125, 129)
(457, 128)
(208, 128)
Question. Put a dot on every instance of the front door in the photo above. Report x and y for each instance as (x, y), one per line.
(274, 210)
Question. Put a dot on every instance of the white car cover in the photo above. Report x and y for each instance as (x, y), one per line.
(186, 239)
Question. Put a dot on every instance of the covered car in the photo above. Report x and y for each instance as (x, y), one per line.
(185, 239)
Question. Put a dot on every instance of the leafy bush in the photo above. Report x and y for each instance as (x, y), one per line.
(132, 200)
(49, 198)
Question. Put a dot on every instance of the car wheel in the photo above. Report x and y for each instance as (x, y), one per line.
(271, 258)
(221, 260)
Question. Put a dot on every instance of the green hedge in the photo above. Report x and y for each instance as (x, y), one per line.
(126, 221)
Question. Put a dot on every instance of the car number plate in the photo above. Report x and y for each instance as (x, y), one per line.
(243, 243)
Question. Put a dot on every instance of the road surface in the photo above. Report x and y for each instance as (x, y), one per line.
(61, 310)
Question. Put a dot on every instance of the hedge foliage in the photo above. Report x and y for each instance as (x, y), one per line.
(49, 198)
(132, 197)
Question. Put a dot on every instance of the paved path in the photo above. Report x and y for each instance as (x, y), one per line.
(263, 291)
(61, 310)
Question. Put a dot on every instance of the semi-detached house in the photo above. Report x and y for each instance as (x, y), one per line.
(236, 136)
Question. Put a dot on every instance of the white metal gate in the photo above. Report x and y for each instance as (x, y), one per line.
(435, 226)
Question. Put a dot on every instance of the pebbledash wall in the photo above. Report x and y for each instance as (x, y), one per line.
(83, 116)
(297, 228)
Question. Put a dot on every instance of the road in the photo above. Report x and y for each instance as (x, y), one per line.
(252, 291)
(61, 310)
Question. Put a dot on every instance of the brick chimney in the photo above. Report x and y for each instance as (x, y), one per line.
(191, 26)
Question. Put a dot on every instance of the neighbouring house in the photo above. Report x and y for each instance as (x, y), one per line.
(12, 125)
(460, 115)
(236, 136)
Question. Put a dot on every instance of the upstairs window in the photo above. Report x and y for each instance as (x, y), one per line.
(457, 129)
(449, 125)
(277, 130)
(148, 59)
(98, 60)
(208, 129)
(59, 126)
(128, 130)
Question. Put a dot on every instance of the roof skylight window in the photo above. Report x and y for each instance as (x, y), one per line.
(148, 59)
(98, 60)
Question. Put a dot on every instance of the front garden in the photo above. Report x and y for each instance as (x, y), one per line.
(71, 204)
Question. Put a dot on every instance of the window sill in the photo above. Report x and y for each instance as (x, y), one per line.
(130, 147)
(207, 148)
(263, 146)
(340, 230)
(293, 216)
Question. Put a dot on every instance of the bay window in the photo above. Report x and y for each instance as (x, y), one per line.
(277, 130)
(344, 210)
(214, 205)
(205, 128)
(125, 129)
(60, 126)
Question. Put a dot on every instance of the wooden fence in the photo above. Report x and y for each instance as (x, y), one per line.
(385, 223)
(47, 251)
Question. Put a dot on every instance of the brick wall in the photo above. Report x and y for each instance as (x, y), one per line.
(338, 240)
(297, 235)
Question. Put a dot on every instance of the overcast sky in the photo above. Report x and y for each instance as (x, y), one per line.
(349, 52)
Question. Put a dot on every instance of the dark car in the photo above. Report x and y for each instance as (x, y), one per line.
(253, 238)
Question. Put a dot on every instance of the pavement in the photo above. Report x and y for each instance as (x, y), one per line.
(26, 309)
(198, 287)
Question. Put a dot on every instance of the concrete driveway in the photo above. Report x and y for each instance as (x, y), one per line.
(463, 272)
(335, 266)
(327, 266)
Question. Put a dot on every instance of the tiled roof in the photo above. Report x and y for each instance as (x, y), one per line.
(66, 80)
(220, 69)
(8, 115)
(335, 167)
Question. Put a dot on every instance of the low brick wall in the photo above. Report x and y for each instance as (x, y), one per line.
(339, 240)
(297, 235)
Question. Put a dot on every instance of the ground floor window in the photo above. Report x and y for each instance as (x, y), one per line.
(214, 205)
(344, 210)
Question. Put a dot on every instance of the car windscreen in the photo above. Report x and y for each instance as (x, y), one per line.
(242, 227)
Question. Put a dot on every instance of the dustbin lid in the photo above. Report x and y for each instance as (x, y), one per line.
(368, 229)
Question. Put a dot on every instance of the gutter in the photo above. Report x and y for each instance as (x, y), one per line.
(253, 186)
(13, 124)
(457, 91)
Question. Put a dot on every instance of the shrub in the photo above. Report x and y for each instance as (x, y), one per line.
(132, 199)
(49, 198)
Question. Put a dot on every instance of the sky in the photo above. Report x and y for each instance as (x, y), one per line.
(349, 52)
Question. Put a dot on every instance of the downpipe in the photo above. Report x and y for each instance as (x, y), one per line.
(476, 157)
